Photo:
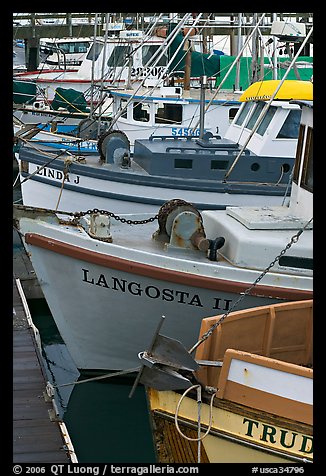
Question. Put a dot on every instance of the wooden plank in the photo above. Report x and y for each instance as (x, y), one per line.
(171, 447)
(46, 457)
(36, 439)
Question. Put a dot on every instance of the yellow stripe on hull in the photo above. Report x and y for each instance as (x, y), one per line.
(238, 436)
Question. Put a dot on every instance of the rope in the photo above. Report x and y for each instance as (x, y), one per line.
(65, 175)
(199, 438)
(287, 187)
(92, 379)
(199, 422)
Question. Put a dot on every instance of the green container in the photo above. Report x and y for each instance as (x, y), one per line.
(24, 92)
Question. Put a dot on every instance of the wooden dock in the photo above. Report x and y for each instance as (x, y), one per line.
(36, 438)
(23, 269)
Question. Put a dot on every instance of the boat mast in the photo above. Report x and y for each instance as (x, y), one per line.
(232, 65)
(203, 85)
(254, 67)
(93, 65)
(239, 45)
(275, 51)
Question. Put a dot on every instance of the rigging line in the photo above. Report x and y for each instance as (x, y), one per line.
(116, 117)
(34, 143)
(68, 102)
(142, 42)
(167, 45)
(43, 125)
(42, 167)
(65, 175)
(16, 180)
(151, 91)
(115, 78)
(252, 107)
(169, 40)
(99, 377)
(234, 62)
(182, 43)
(287, 187)
(160, 50)
(200, 29)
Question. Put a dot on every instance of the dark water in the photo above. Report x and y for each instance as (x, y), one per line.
(104, 424)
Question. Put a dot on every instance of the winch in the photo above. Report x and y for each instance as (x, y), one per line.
(181, 226)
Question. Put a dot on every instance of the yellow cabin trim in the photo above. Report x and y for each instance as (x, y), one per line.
(290, 89)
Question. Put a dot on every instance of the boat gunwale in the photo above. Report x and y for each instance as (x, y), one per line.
(163, 274)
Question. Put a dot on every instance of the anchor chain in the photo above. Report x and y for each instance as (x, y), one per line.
(78, 215)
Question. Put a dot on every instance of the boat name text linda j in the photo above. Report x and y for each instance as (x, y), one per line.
(57, 174)
(153, 292)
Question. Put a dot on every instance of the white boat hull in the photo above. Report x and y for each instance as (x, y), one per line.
(106, 316)
(82, 192)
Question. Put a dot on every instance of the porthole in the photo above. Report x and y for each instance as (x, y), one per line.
(254, 167)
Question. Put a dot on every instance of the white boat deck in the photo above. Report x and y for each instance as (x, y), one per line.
(245, 252)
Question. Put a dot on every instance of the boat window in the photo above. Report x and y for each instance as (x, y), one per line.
(254, 116)
(232, 113)
(266, 121)
(298, 154)
(47, 47)
(307, 175)
(140, 112)
(290, 128)
(95, 51)
(123, 103)
(296, 262)
(168, 113)
(148, 52)
(118, 56)
(183, 163)
(307, 171)
(219, 164)
(243, 111)
(74, 47)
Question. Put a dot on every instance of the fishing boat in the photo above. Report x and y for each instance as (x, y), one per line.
(66, 103)
(193, 168)
(115, 61)
(171, 111)
(244, 396)
(108, 278)
(64, 52)
(161, 99)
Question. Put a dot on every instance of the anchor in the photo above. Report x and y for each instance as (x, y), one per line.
(167, 364)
